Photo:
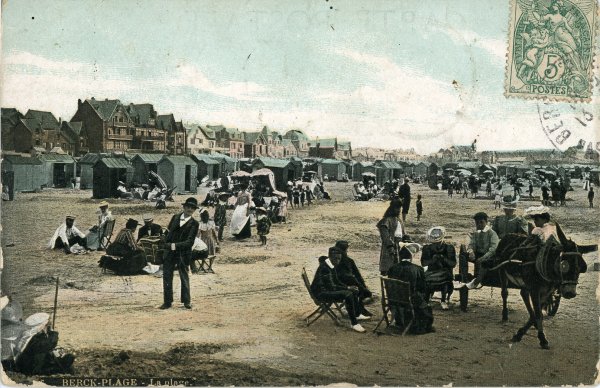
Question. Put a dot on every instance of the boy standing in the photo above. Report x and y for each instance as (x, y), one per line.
(419, 207)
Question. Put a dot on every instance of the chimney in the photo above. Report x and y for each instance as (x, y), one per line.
(79, 102)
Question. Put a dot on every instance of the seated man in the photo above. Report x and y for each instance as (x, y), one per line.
(349, 274)
(66, 236)
(150, 229)
(328, 288)
(439, 259)
(132, 259)
(484, 242)
(406, 271)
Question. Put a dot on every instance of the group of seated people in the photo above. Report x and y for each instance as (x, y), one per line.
(337, 278)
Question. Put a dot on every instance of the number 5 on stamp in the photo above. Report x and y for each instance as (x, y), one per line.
(551, 49)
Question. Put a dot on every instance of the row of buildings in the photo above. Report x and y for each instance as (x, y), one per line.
(101, 126)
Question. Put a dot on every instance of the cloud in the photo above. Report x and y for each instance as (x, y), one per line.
(495, 47)
(190, 76)
(23, 58)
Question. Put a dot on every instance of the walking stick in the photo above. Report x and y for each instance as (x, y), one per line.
(55, 303)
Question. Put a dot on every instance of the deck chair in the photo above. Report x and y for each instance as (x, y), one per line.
(203, 262)
(150, 246)
(109, 226)
(322, 307)
(395, 293)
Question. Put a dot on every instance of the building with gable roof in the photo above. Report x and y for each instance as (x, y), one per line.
(231, 139)
(300, 140)
(9, 118)
(41, 130)
(255, 145)
(201, 140)
(148, 138)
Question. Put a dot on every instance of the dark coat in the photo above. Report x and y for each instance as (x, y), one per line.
(183, 238)
(326, 280)
(348, 272)
(387, 257)
(440, 260)
(404, 191)
(220, 216)
(152, 231)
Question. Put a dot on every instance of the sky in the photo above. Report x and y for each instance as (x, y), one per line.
(419, 74)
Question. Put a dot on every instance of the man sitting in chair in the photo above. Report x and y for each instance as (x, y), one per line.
(348, 272)
(66, 236)
(150, 229)
(438, 260)
(131, 259)
(411, 273)
(328, 288)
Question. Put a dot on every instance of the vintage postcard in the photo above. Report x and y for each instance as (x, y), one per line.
(299, 193)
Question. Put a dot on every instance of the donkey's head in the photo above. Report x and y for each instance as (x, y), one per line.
(570, 264)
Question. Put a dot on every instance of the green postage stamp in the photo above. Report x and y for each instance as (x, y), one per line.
(551, 49)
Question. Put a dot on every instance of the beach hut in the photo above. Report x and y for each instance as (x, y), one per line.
(228, 164)
(280, 168)
(143, 164)
(86, 169)
(207, 166)
(389, 170)
(27, 173)
(297, 165)
(59, 169)
(421, 169)
(179, 172)
(361, 167)
(107, 172)
(333, 168)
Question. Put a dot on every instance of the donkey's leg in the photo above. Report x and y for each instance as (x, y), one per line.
(504, 293)
(537, 309)
(521, 332)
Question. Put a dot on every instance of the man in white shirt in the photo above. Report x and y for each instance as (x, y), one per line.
(66, 236)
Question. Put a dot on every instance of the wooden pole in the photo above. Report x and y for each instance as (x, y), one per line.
(55, 303)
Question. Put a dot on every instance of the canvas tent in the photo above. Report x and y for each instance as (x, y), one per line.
(269, 176)
(207, 166)
(107, 174)
(143, 164)
(59, 169)
(179, 172)
(281, 169)
(28, 172)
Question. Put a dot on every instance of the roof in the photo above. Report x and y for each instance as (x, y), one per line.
(178, 159)
(166, 122)
(205, 159)
(105, 109)
(296, 134)
(324, 143)
(331, 161)
(90, 158)
(469, 164)
(16, 159)
(57, 150)
(207, 132)
(62, 158)
(32, 124)
(252, 137)
(272, 162)
(389, 164)
(344, 145)
(75, 126)
(148, 158)
(46, 119)
(286, 142)
(10, 115)
(366, 164)
(115, 162)
(141, 113)
(219, 156)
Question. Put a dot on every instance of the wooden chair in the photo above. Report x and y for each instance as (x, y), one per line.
(106, 235)
(395, 293)
(322, 307)
(204, 262)
(150, 246)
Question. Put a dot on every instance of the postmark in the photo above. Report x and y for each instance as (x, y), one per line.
(551, 49)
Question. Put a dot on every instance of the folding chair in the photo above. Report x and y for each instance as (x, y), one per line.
(395, 293)
(322, 307)
(153, 254)
(204, 263)
(106, 235)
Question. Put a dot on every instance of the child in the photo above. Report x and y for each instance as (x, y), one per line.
(450, 189)
(309, 195)
(296, 198)
(591, 196)
(419, 207)
(302, 195)
(207, 232)
(498, 197)
(263, 225)
(221, 214)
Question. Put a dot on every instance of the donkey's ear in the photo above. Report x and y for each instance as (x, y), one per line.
(582, 265)
(583, 249)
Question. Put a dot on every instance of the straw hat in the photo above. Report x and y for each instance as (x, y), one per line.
(436, 234)
(509, 203)
(536, 211)
(102, 204)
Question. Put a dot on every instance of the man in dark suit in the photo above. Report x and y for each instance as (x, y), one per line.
(348, 272)
(150, 229)
(183, 229)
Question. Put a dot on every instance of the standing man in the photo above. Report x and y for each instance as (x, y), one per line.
(484, 242)
(509, 222)
(404, 194)
(183, 229)
(591, 196)
(220, 215)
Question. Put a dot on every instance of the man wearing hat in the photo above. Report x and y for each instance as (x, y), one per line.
(348, 272)
(183, 229)
(131, 258)
(327, 287)
(150, 229)
(509, 223)
(483, 244)
(66, 236)
(439, 259)
(411, 273)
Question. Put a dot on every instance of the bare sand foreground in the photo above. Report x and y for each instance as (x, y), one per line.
(247, 327)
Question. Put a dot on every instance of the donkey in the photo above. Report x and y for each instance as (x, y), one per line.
(544, 269)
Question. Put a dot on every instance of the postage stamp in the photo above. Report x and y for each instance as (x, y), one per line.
(550, 51)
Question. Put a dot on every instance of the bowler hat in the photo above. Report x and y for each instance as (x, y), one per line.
(191, 202)
(334, 250)
(342, 245)
(131, 223)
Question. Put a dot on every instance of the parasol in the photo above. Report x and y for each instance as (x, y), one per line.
(160, 181)
(239, 173)
(368, 174)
